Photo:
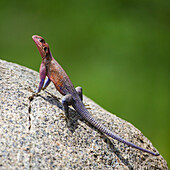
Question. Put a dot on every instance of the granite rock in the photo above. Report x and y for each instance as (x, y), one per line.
(35, 135)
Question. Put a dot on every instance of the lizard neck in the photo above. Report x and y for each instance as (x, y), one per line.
(47, 59)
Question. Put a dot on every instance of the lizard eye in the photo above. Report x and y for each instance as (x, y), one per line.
(42, 40)
(45, 49)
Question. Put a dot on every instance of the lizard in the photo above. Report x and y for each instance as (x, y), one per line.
(72, 96)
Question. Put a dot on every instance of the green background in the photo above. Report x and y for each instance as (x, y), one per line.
(118, 51)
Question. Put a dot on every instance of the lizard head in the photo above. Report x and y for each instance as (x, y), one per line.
(41, 45)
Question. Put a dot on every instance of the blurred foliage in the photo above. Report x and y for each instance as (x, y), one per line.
(118, 51)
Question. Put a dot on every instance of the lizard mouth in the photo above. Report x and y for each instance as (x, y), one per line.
(37, 39)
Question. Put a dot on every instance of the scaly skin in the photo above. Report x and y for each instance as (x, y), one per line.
(55, 73)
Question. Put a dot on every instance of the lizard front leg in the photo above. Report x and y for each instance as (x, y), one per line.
(46, 84)
(42, 77)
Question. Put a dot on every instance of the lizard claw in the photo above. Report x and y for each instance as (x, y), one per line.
(35, 94)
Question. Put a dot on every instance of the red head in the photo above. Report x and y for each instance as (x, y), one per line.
(41, 45)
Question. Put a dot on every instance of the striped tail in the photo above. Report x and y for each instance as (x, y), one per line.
(86, 115)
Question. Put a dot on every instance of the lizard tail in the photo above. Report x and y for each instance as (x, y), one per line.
(86, 115)
(114, 136)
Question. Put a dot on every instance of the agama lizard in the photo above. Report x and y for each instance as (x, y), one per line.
(72, 96)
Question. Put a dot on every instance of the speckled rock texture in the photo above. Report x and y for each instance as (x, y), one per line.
(34, 133)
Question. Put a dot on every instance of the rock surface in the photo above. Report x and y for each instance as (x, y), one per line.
(35, 135)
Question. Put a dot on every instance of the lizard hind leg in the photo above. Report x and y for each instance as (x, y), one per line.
(66, 101)
(80, 92)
